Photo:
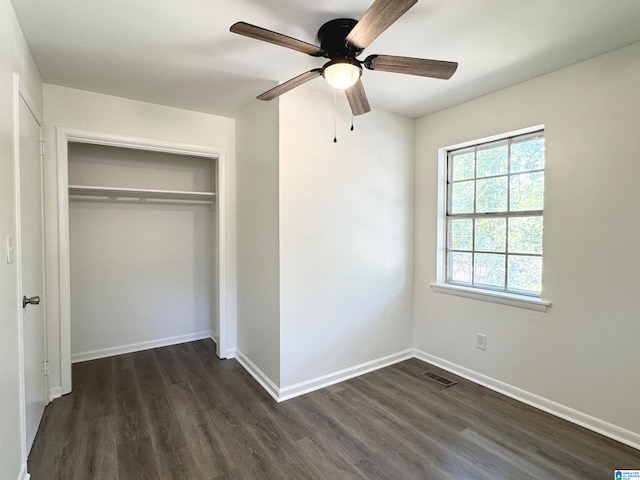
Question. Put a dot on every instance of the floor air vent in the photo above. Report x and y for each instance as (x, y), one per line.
(441, 380)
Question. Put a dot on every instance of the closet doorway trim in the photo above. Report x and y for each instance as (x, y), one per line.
(226, 321)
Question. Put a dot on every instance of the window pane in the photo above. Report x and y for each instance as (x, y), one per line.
(462, 197)
(459, 267)
(487, 247)
(525, 274)
(489, 269)
(492, 195)
(491, 234)
(492, 159)
(527, 154)
(525, 235)
(527, 191)
(460, 234)
(462, 165)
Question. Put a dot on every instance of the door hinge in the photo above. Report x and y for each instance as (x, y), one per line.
(46, 368)
(42, 148)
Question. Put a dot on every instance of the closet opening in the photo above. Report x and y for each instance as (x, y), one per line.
(142, 261)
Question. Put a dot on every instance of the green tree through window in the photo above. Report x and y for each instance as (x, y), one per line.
(495, 200)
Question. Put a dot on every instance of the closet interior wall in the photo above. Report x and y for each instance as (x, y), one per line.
(142, 249)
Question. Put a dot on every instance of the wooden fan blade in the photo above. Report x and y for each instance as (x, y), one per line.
(290, 84)
(357, 98)
(411, 66)
(376, 20)
(265, 35)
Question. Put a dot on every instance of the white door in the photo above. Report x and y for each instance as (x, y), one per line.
(32, 261)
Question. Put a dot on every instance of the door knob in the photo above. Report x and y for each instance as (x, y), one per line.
(31, 300)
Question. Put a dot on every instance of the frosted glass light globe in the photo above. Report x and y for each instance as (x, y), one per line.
(341, 75)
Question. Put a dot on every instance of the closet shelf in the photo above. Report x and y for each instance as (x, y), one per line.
(142, 195)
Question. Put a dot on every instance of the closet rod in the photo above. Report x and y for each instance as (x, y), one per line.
(131, 199)
(87, 192)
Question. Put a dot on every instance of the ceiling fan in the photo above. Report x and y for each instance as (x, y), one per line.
(341, 41)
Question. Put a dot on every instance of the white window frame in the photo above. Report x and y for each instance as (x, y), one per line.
(441, 285)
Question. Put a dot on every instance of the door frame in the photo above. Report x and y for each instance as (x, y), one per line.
(21, 93)
(225, 321)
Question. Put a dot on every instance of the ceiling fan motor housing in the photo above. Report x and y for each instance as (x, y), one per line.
(332, 37)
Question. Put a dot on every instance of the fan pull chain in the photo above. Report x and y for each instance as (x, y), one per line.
(335, 116)
(352, 123)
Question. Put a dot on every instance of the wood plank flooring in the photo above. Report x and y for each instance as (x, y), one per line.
(180, 413)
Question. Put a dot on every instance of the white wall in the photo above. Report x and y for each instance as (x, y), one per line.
(14, 58)
(102, 113)
(107, 166)
(258, 238)
(140, 274)
(583, 353)
(346, 238)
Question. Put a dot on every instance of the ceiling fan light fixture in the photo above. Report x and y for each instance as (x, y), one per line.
(342, 73)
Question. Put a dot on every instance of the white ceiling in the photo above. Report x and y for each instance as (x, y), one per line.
(180, 52)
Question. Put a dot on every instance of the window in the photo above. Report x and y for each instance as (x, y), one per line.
(493, 218)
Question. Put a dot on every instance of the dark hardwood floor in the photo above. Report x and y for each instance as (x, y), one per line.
(180, 413)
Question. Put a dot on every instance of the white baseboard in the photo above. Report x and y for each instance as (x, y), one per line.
(55, 392)
(286, 393)
(24, 475)
(271, 388)
(137, 347)
(574, 416)
(340, 376)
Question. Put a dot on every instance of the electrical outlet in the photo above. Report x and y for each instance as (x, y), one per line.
(481, 341)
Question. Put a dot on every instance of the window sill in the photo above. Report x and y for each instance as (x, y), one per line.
(510, 299)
